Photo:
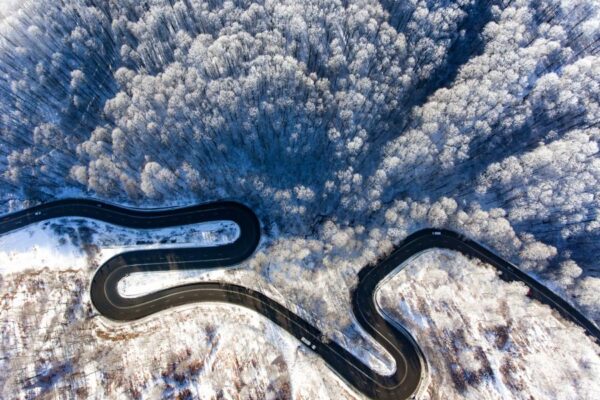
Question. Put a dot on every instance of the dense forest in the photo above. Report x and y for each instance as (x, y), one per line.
(345, 123)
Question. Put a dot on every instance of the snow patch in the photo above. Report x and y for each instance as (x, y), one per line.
(59, 243)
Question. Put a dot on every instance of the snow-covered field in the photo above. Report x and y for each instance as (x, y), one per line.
(484, 338)
(61, 243)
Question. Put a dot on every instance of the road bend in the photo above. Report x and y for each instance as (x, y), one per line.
(411, 366)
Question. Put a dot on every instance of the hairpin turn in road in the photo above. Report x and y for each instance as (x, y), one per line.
(411, 366)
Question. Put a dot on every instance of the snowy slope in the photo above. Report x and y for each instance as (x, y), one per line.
(484, 338)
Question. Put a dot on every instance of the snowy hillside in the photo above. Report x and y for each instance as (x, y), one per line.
(483, 338)
(55, 347)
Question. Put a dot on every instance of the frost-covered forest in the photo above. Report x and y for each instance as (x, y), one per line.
(346, 125)
(339, 121)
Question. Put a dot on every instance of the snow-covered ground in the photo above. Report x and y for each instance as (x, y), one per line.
(77, 243)
(484, 338)
(56, 346)
(45, 270)
(35, 247)
(61, 243)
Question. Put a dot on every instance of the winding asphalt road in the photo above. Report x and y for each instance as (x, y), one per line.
(410, 362)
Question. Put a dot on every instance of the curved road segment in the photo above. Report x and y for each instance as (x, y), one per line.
(410, 362)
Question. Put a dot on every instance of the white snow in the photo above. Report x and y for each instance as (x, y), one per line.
(432, 296)
(197, 349)
(483, 338)
(142, 283)
(38, 246)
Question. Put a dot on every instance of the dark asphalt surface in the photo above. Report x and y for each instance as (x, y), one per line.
(410, 362)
